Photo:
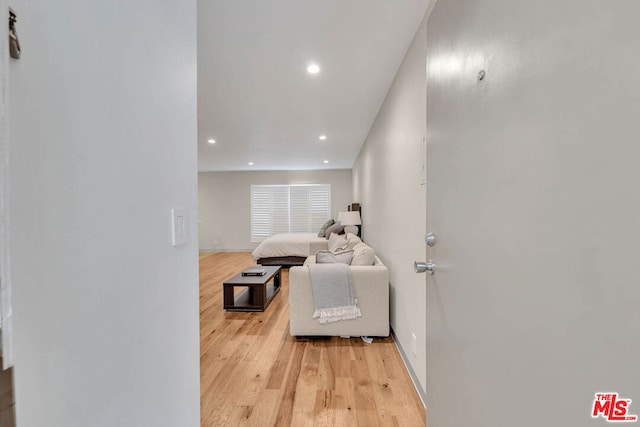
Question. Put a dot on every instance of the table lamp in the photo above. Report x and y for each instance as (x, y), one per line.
(350, 220)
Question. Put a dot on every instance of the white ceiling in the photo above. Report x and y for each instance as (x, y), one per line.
(256, 99)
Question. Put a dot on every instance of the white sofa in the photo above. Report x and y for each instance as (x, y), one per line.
(372, 290)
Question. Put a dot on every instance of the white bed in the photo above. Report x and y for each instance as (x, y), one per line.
(288, 248)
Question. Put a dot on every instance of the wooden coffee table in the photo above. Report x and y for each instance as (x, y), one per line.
(258, 293)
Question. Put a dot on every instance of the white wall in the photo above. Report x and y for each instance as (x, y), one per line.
(387, 179)
(103, 128)
(225, 207)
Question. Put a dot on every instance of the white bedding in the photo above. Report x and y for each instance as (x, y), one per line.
(290, 244)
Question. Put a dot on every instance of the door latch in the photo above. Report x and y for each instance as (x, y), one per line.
(430, 239)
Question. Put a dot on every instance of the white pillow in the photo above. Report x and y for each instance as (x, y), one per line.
(337, 243)
(326, 257)
(363, 255)
(352, 241)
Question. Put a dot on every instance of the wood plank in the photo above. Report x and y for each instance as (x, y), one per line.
(285, 410)
(7, 401)
(254, 373)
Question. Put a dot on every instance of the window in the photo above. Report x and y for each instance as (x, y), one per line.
(288, 209)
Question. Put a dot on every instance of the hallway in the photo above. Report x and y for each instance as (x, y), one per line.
(254, 373)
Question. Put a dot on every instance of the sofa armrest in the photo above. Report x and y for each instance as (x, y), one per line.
(372, 289)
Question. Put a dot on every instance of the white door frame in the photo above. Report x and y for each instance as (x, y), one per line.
(5, 271)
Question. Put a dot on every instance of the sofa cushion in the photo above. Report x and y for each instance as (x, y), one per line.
(352, 241)
(363, 254)
(323, 229)
(326, 257)
(337, 243)
(342, 242)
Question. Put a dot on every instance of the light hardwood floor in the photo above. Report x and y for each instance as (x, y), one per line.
(254, 373)
(7, 404)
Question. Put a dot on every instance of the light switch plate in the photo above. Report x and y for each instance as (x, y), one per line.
(179, 226)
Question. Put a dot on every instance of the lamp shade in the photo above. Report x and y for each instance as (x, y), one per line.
(349, 218)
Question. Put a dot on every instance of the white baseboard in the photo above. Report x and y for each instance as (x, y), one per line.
(412, 374)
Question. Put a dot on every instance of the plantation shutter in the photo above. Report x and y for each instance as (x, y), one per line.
(279, 209)
(260, 213)
(319, 205)
(300, 212)
(269, 211)
(288, 208)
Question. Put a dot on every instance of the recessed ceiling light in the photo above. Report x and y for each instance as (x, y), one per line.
(250, 163)
(313, 69)
(322, 137)
(326, 161)
(211, 141)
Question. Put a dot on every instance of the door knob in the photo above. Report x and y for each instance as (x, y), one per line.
(421, 267)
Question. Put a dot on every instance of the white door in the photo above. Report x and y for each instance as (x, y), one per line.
(533, 188)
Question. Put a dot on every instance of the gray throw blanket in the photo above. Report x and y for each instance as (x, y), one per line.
(334, 295)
